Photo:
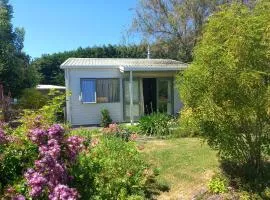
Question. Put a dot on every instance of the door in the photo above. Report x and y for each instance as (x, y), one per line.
(150, 95)
(164, 95)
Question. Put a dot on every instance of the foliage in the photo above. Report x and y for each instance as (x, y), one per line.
(227, 86)
(16, 155)
(113, 169)
(174, 26)
(218, 184)
(47, 115)
(57, 152)
(129, 128)
(156, 124)
(15, 72)
(105, 118)
(32, 99)
(116, 131)
(189, 126)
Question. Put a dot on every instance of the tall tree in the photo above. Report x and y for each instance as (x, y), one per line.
(174, 25)
(15, 71)
(227, 87)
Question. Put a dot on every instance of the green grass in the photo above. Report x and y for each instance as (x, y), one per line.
(185, 164)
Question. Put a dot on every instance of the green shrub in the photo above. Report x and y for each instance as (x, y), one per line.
(156, 124)
(16, 155)
(130, 128)
(218, 184)
(31, 98)
(114, 169)
(189, 127)
(115, 130)
(227, 85)
(105, 118)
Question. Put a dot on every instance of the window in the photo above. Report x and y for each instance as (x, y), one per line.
(100, 90)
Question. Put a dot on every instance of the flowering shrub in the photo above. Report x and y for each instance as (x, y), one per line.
(56, 152)
(116, 131)
(16, 155)
(112, 169)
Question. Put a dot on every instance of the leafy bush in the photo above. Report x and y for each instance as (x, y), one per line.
(130, 128)
(113, 169)
(31, 98)
(218, 185)
(49, 178)
(189, 126)
(47, 115)
(116, 131)
(105, 118)
(157, 124)
(227, 86)
(16, 155)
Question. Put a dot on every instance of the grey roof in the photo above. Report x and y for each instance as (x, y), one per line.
(48, 87)
(124, 64)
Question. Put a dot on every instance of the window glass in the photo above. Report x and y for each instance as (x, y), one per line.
(88, 90)
(108, 90)
(135, 91)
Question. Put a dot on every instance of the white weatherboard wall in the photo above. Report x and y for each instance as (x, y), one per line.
(83, 114)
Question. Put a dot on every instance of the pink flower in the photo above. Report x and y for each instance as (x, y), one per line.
(74, 146)
(38, 136)
(56, 131)
(94, 142)
(3, 138)
(63, 192)
(36, 182)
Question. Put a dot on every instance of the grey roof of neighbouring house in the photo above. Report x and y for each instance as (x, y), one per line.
(48, 87)
(125, 64)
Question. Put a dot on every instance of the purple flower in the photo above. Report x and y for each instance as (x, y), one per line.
(3, 138)
(74, 145)
(50, 172)
(63, 192)
(56, 131)
(18, 197)
(38, 136)
(52, 148)
(35, 181)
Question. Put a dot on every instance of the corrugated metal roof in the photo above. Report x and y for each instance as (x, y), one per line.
(124, 64)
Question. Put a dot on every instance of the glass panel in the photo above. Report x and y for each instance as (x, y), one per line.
(135, 91)
(88, 90)
(108, 90)
(164, 96)
(136, 97)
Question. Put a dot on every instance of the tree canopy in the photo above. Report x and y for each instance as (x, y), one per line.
(175, 25)
(227, 87)
(15, 71)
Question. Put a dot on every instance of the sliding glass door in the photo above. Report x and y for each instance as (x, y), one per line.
(136, 100)
(164, 95)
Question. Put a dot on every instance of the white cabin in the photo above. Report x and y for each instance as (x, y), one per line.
(128, 88)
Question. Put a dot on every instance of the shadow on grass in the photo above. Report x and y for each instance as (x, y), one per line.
(244, 177)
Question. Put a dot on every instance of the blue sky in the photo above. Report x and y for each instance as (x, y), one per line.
(59, 25)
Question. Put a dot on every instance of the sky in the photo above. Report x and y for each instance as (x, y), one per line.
(58, 25)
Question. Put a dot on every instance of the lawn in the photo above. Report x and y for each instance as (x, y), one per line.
(185, 164)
